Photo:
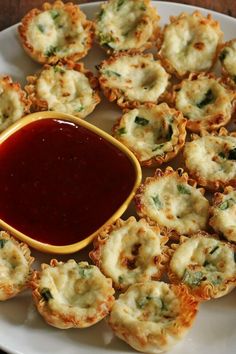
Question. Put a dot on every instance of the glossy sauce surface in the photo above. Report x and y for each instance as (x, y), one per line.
(59, 182)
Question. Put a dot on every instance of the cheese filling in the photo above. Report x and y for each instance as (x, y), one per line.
(228, 58)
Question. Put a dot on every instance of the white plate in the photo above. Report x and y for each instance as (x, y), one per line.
(22, 330)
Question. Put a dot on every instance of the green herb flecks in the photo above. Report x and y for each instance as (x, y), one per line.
(223, 55)
(101, 15)
(59, 69)
(46, 294)
(120, 279)
(214, 249)
(54, 14)
(182, 189)
(85, 271)
(207, 99)
(232, 154)
(41, 28)
(120, 4)
(235, 257)
(142, 302)
(192, 278)
(224, 205)
(222, 155)
(79, 109)
(158, 147)
(121, 131)
(141, 121)
(2, 242)
(111, 73)
(157, 201)
(169, 133)
(143, 7)
(50, 51)
(106, 39)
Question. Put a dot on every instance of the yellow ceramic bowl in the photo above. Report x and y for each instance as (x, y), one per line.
(71, 248)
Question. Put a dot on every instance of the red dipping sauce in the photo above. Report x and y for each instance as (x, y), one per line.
(60, 182)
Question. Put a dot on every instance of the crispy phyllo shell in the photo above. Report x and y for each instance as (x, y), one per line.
(227, 57)
(205, 101)
(65, 87)
(56, 31)
(15, 266)
(223, 213)
(132, 78)
(130, 252)
(126, 25)
(153, 316)
(13, 102)
(71, 294)
(204, 264)
(171, 200)
(154, 133)
(190, 43)
(211, 159)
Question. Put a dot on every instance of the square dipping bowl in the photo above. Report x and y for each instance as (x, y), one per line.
(62, 181)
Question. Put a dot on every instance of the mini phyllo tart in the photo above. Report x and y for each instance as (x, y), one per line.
(131, 78)
(172, 200)
(127, 24)
(227, 57)
(57, 31)
(223, 213)
(204, 264)
(211, 159)
(67, 88)
(153, 316)
(190, 43)
(15, 266)
(130, 252)
(154, 133)
(205, 101)
(13, 102)
(71, 294)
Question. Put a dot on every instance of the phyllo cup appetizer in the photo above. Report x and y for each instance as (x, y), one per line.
(130, 252)
(223, 213)
(153, 316)
(13, 102)
(15, 266)
(190, 43)
(227, 56)
(126, 24)
(65, 87)
(56, 31)
(205, 101)
(211, 159)
(154, 133)
(206, 265)
(71, 294)
(171, 200)
(132, 78)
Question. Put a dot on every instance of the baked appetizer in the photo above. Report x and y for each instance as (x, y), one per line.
(172, 200)
(190, 43)
(227, 58)
(211, 159)
(13, 102)
(205, 101)
(130, 252)
(223, 213)
(15, 266)
(127, 24)
(131, 78)
(68, 88)
(153, 316)
(205, 265)
(154, 133)
(71, 294)
(56, 31)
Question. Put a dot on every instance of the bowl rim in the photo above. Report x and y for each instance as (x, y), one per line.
(74, 247)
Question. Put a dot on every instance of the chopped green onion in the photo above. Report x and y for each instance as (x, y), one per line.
(223, 55)
(121, 131)
(50, 51)
(208, 98)
(192, 278)
(54, 14)
(2, 242)
(157, 202)
(214, 249)
(182, 189)
(141, 121)
(119, 4)
(111, 73)
(46, 294)
(41, 28)
(224, 205)
(232, 154)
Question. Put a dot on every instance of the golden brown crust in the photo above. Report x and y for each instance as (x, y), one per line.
(212, 120)
(120, 95)
(40, 104)
(74, 13)
(205, 289)
(199, 46)
(12, 288)
(177, 139)
(217, 183)
(149, 263)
